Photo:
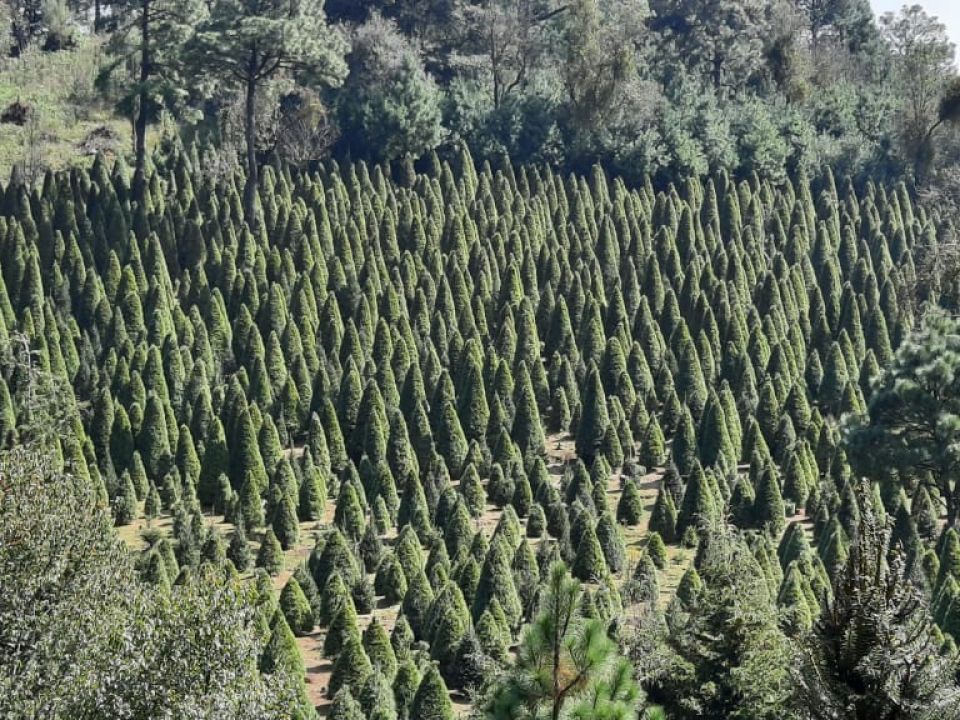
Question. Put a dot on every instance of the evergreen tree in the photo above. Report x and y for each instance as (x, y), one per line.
(611, 542)
(663, 517)
(405, 686)
(345, 707)
(590, 564)
(565, 663)
(876, 626)
(656, 550)
(270, 554)
(248, 48)
(238, 551)
(351, 668)
(593, 420)
(296, 608)
(698, 502)
(432, 701)
(125, 508)
(630, 505)
(768, 507)
(377, 646)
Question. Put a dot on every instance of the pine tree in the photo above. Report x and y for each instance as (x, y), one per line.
(590, 564)
(652, 445)
(246, 464)
(559, 650)
(683, 450)
(270, 555)
(451, 442)
(251, 506)
(296, 608)
(527, 430)
(377, 646)
(238, 550)
(343, 628)
(390, 579)
(405, 686)
(656, 550)
(611, 542)
(284, 522)
(125, 508)
(312, 493)
(663, 517)
(376, 698)
(281, 653)
(472, 491)
(432, 701)
(351, 668)
(449, 622)
(630, 505)
(345, 707)
(699, 505)
(768, 508)
(593, 420)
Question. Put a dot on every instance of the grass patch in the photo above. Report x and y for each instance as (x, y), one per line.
(65, 106)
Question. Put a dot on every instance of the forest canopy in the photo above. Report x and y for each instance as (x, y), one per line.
(665, 88)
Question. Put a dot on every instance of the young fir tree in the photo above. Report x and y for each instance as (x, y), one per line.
(125, 508)
(630, 505)
(594, 419)
(284, 522)
(432, 700)
(663, 517)
(699, 505)
(768, 508)
(589, 564)
(376, 644)
(296, 608)
(611, 542)
(270, 554)
(449, 622)
(351, 668)
(345, 706)
(656, 550)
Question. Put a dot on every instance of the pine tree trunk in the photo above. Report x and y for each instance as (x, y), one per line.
(951, 502)
(250, 130)
(140, 125)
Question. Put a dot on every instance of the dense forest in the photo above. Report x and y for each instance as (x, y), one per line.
(495, 360)
(669, 89)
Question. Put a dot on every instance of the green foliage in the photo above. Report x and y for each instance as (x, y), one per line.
(389, 105)
(914, 416)
(296, 608)
(718, 668)
(351, 669)
(877, 620)
(656, 550)
(270, 554)
(630, 505)
(565, 663)
(246, 45)
(376, 337)
(432, 701)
